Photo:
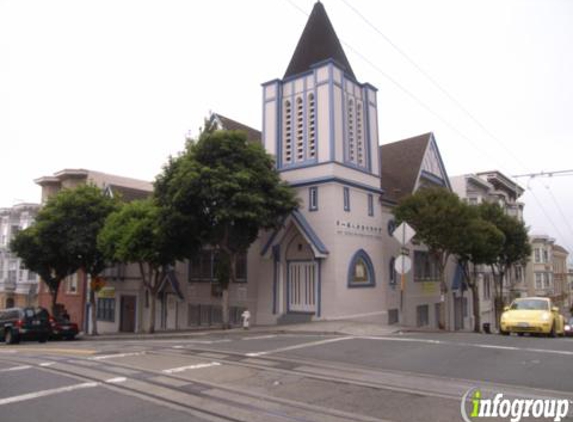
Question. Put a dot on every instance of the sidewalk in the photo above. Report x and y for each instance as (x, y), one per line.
(343, 327)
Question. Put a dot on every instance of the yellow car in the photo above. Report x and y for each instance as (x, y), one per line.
(533, 315)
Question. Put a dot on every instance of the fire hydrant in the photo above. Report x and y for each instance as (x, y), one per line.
(246, 315)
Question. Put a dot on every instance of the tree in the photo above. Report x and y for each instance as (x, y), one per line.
(64, 238)
(232, 188)
(42, 250)
(142, 233)
(440, 219)
(483, 245)
(516, 248)
(85, 209)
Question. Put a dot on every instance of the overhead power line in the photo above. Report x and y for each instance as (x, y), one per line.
(546, 174)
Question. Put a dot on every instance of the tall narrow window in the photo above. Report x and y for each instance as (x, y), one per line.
(287, 134)
(311, 127)
(313, 198)
(370, 205)
(299, 130)
(346, 195)
(360, 151)
(351, 139)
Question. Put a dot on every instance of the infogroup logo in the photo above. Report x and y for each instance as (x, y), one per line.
(475, 407)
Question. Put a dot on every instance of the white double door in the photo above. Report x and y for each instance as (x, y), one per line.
(302, 289)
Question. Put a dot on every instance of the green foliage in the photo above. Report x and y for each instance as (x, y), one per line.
(516, 248)
(63, 237)
(134, 234)
(440, 219)
(227, 187)
(223, 190)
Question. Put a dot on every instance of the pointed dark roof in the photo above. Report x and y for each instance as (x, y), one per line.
(317, 43)
(401, 162)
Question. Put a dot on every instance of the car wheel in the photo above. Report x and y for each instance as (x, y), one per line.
(503, 333)
(10, 338)
(520, 334)
(43, 339)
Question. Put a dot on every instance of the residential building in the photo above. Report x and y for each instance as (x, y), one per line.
(73, 290)
(546, 272)
(561, 283)
(493, 187)
(18, 285)
(407, 166)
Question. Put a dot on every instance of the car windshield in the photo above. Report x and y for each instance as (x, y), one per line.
(531, 305)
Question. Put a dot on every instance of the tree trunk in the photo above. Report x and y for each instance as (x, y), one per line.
(152, 301)
(93, 311)
(225, 308)
(54, 294)
(476, 306)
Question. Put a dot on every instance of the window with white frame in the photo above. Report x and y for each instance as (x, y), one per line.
(72, 284)
(346, 198)
(545, 255)
(537, 255)
(539, 281)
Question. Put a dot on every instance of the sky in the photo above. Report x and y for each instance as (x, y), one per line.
(117, 85)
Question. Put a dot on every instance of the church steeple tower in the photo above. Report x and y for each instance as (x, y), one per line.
(317, 43)
(319, 114)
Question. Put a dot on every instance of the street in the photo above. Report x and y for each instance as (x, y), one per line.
(277, 376)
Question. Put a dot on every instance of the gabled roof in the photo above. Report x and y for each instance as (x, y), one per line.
(225, 123)
(304, 227)
(403, 169)
(317, 43)
(401, 162)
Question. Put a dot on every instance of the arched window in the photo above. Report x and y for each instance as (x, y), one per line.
(311, 129)
(361, 270)
(287, 133)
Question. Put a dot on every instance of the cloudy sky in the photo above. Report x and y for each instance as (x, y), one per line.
(115, 85)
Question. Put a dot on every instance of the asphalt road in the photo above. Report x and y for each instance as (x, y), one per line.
(243, 376)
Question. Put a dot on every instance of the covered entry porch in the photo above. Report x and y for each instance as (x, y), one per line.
(297, 254)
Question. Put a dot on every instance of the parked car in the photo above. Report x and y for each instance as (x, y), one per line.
(569, 327)
(62, 328)
(534, 315)
(24, 324)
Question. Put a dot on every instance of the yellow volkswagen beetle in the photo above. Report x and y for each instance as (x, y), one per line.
(533, 315)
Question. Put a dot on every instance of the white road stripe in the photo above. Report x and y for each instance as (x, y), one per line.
(118, 355)
(260, 337)
(47, 363)
(116, 380)
(298, 346)
(185, 368)
(15, 368)
(44, 393)
(178, 347)
(477, 345)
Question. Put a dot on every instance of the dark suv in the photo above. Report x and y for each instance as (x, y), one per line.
(24, 324)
